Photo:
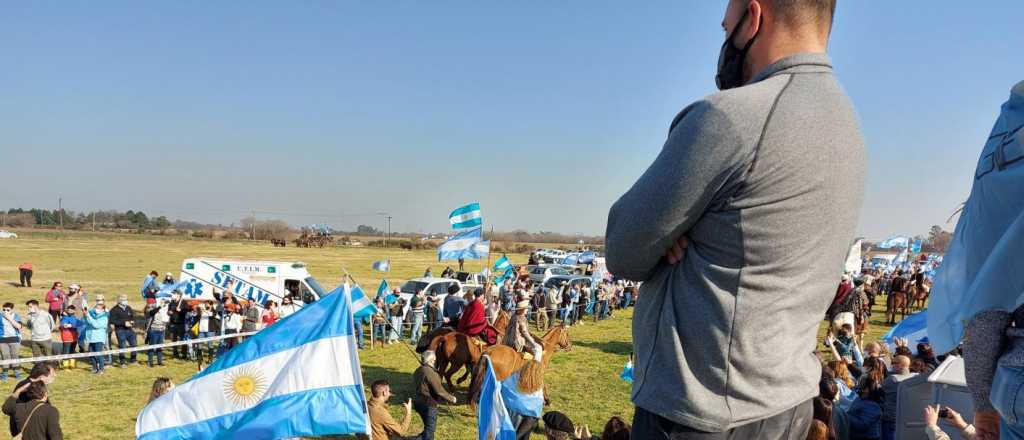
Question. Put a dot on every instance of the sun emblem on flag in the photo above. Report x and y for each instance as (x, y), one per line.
(245, 386)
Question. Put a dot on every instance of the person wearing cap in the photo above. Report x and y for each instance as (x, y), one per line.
(168, 280)
(518, 335)
(122, 318)
(429, 392)
(150, 287)
(77, 298)
(558, 426)
(395, 307)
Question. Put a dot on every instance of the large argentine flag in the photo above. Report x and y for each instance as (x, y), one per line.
(913, 328)
(493, 421)
(466, 244)
(300, 377)
(466, 217)
(502, 264)
(891, 242)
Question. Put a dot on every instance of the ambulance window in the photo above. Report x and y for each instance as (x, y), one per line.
(292, 287)
(307, 295)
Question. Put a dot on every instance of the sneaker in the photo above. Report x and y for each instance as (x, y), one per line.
(122, 366)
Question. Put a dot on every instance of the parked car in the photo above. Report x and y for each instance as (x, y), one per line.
(7, 234)
(574, 280)
(438, 287)
(541, 273)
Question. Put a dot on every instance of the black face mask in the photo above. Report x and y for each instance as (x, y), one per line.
(730, 60)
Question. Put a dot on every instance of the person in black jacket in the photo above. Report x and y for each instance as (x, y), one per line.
(122, 318)
(34, 418)
(176, 312)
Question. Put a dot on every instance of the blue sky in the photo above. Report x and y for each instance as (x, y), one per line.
(545, 112)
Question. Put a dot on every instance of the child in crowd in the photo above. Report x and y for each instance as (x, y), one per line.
(70, 330)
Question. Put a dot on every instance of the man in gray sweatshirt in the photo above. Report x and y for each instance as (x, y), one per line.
(739, 230)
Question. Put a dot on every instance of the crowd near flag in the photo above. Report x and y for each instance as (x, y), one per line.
(466, 244)
(896, 241)
(913, 328)
(502, 264)
(382, 265)
(466, 217)
(493, 421)
(263, 388)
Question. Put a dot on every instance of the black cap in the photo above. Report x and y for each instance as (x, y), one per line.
(453, 289)
(557, 421)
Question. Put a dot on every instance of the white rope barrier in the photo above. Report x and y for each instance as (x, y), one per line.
(61, 357)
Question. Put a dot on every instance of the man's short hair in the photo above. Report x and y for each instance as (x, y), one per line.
(40, 369)
(8, 305)
(31, 302)
(378, 387)
(798, 13)
(36, 391)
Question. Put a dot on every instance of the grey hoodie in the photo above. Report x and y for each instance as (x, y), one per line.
(766, 181)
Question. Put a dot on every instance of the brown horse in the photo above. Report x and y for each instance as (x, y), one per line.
(920, 296)
(454, 350)
(896, 303)
(506, 360)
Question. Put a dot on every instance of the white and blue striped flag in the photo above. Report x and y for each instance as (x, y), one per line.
(466, 217)
(263, 388)
(362, 306)
(502, 264)
(493, 421)
(895, 241)
(382, 265)
(467, 244)
(518, 402)
(167, 289)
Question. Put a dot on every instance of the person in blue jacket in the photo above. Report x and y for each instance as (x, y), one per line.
(10, 339)
(865, 415)
(96, 321)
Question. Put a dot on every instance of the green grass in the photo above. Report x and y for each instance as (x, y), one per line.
(583, 383)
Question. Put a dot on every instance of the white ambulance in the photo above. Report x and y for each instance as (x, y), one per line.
(257, 281)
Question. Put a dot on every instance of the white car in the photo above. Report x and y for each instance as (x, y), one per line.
(7, 234)
(438, 287)
(541, 273)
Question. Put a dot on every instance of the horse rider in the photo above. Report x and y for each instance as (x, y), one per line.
(518, 335)
(474, 320)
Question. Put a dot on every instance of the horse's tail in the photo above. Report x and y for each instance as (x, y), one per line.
(475, 382)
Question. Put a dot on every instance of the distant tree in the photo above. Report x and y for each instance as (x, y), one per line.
(161, 223)
(366, 230)
(939, 239)
(21, 220)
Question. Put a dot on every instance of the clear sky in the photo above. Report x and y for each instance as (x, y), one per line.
(545, 112)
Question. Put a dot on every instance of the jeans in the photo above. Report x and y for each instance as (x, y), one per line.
(126, 336)
(9, 351)
(429, 415)
(396, 328)
(1007, 397)
(69, 347)
(792, 424)
(155, 337)
(209, 346)
(97, 361)
(380, 331)
(26, 277)
(359, 334)
(417, 327)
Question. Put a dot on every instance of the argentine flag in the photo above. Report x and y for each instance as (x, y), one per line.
(493, 421)
(382, 265)
(892, 242)
(362, 306)
(383, 288)
(167, 289)
(467, 244)
(466, 217)
(913, 328)
(263, 388)
(519, 403)
(502, 264)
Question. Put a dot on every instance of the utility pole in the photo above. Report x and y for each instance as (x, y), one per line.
(94, 221)
(254, 225)
(60, 211)
(388, 232)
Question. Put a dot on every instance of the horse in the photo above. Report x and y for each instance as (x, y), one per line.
(454, 350)
(919, 296)
(897, 302)
(506, 360)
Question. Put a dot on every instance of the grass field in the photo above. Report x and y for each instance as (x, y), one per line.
(583, 383)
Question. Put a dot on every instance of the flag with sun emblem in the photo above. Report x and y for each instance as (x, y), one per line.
(300, 377)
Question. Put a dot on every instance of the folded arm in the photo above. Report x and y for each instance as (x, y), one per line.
(702, 154)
